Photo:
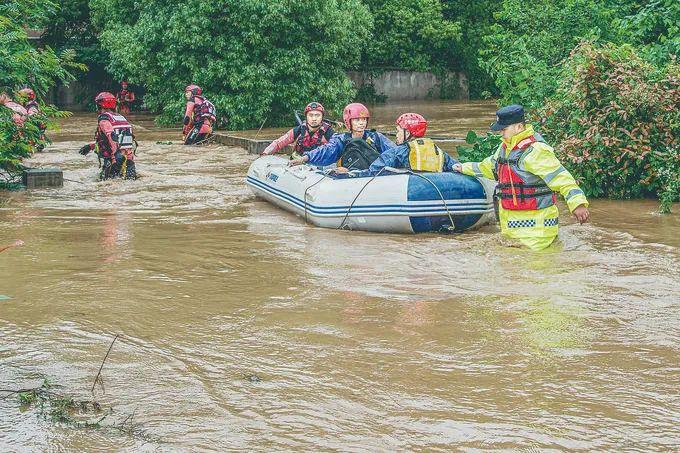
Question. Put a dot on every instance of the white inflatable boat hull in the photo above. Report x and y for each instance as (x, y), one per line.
(400, 203)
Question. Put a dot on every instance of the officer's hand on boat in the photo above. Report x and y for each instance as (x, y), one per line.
(581, 213)
(299, 161)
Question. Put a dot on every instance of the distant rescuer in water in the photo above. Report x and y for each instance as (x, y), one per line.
(114, 141)
(528, 175)
(125, 99)
(312, 133)
(199, 116)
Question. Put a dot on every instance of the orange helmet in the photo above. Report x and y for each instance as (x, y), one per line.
(414, 123)
(195, 90)
(352, 111)
(314, 107)
(105, 100)
(28, 92)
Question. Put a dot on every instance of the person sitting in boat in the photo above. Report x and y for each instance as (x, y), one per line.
(413, 151)
(114, 140)
(199, 116)
(312, 133)
(354, 150)
(125, 98)
(27, 98)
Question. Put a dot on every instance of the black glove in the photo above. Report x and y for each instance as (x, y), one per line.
(85, 150)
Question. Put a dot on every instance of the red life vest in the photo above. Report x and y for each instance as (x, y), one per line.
(308, 141)
(122, 135)
(520, 190)
(204, 109)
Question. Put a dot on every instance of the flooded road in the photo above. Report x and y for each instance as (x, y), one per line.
(243, 328)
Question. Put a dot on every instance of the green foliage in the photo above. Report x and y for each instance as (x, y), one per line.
(655, 29)
(367, 94)
(482, 146)
(21, 64)
(615, 121)
(253, 59)
(476, 18)
(71, 28)
(61, 409)
(410, 35)
(530, 39)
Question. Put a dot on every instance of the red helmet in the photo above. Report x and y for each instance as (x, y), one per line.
(195, 89)
(105, 100)
(314, 107)
(352, 111)
(414, 123)
(28, 92)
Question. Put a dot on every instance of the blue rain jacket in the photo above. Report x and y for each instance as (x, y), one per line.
(330, 152)
(396, 157)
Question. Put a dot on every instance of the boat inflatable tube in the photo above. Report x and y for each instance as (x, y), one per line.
(392, 203)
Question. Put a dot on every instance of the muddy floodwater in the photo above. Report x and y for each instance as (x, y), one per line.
(243, 328)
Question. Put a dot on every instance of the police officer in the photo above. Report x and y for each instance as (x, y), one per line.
(528, 175)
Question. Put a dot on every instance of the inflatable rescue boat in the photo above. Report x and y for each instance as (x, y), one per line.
(396, 203)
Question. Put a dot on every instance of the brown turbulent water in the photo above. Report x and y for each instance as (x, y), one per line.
(360, 341)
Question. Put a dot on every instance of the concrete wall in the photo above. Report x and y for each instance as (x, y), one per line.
(396, 85)
(410, 85)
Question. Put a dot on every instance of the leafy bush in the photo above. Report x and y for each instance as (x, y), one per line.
(615, 121)
(255, 60)
(524, 49)
(21, 64)
(410, 35)
(366, 93)
(482, 146)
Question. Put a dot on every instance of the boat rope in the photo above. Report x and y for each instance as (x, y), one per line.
(342, 224)
(446, 206)
(307, 189)
(402, 171)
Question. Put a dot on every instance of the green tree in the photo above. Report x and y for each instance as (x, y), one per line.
(255, 60)
(476, 18)
(410, 35)
(72, 28)
(655, 29)
(21, 64)
(526, 46)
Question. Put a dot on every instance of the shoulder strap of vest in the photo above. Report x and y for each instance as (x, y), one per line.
(105, 116)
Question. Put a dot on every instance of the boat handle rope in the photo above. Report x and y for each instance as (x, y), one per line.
(399, 171)
(323, 177)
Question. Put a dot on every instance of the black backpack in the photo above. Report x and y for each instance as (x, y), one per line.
(357, 154)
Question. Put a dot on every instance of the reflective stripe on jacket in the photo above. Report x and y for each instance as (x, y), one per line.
(536, 228)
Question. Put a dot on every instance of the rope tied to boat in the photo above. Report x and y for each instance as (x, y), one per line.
(343, 225)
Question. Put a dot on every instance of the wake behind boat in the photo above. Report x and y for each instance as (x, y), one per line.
(396, 203)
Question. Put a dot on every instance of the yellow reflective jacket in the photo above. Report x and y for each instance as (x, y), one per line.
(534, 228)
